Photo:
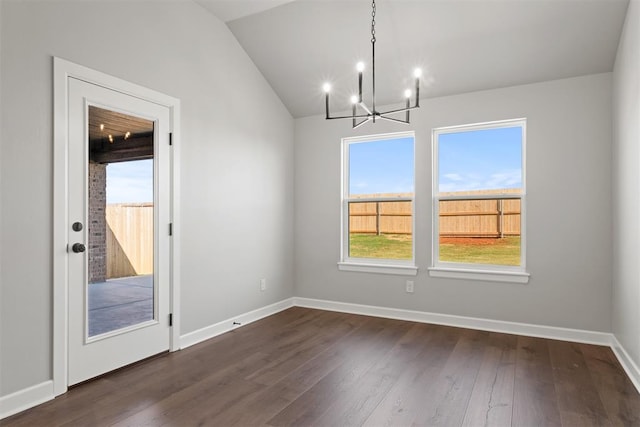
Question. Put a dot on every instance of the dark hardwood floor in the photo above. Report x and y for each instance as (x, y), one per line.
(309, 367)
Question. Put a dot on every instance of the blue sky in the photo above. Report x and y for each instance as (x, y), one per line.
(486, 159)
(130, 182)
(384, 166)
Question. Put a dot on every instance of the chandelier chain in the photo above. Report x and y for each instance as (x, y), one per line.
(373, 21)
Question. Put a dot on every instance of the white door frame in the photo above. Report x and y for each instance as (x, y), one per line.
(62, 71)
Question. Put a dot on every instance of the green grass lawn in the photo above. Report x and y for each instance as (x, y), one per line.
(389, 246)
(504, 251)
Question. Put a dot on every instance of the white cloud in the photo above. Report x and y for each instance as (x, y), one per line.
(453, 176)
(453, 182)
(506, 179)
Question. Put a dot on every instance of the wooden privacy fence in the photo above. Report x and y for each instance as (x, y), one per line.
(458, 218)
(380, 217)
(480, 218)
(129, 239)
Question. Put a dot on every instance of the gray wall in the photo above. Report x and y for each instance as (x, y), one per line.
(237, 157)
(626, 186)
(568, 209)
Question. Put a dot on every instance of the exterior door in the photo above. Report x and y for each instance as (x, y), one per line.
(118, 233)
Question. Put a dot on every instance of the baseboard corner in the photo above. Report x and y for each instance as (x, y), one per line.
(211, 331)
(628, 364)
(24, 399)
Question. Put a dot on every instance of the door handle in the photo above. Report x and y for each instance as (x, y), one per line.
(78, 248)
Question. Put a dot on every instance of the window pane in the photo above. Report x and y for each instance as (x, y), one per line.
(381, 167)
(488, 159)
(480, 231)
(381, 230)
(472, 163)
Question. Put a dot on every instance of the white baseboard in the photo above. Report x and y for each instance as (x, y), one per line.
(24, 399)
(565, 334)
(629, 366)
(216, 329)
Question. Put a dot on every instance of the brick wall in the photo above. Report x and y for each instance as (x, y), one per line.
(97, 227)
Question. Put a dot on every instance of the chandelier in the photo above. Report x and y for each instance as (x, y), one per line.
(365, 113)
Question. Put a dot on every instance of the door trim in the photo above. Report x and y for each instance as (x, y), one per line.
(62, 71)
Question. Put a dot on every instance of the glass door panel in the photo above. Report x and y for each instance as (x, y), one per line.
(120, 278)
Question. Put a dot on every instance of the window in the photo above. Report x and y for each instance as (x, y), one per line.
(377, 204)
(479, 201)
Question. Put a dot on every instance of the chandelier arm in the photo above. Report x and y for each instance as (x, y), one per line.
(358, 116)
(361, 123)
(326, 104)
(391, 119)
(408, 104)
(365, 108)
(353, 113)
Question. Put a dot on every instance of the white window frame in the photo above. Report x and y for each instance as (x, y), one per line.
(487, 272)
(374, 265)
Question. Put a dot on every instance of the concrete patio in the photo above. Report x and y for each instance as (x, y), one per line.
(118, 303)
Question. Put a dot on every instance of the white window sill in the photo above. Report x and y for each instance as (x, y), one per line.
(479, 274)
(401, 270)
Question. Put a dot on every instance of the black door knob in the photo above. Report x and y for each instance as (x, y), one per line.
(78, 247)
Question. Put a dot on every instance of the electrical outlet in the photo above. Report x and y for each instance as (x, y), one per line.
(409, 286)
(263, 284)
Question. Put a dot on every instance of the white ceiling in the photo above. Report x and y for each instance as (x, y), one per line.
(228, 10)
(462, 45)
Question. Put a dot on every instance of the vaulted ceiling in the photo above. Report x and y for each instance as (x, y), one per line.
(461, 45)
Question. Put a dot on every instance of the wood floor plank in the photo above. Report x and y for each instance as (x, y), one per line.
(578, 399)
(447, 397)
(491, 402)
(534, 400)
(371, 341)
(305, 367)
(365, 395)
(403, 402)
(617, 393)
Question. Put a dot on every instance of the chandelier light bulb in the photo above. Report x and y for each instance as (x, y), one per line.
(354, 99)
(360, 66)
(417, 73)
(326, 87)
(407, 93)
